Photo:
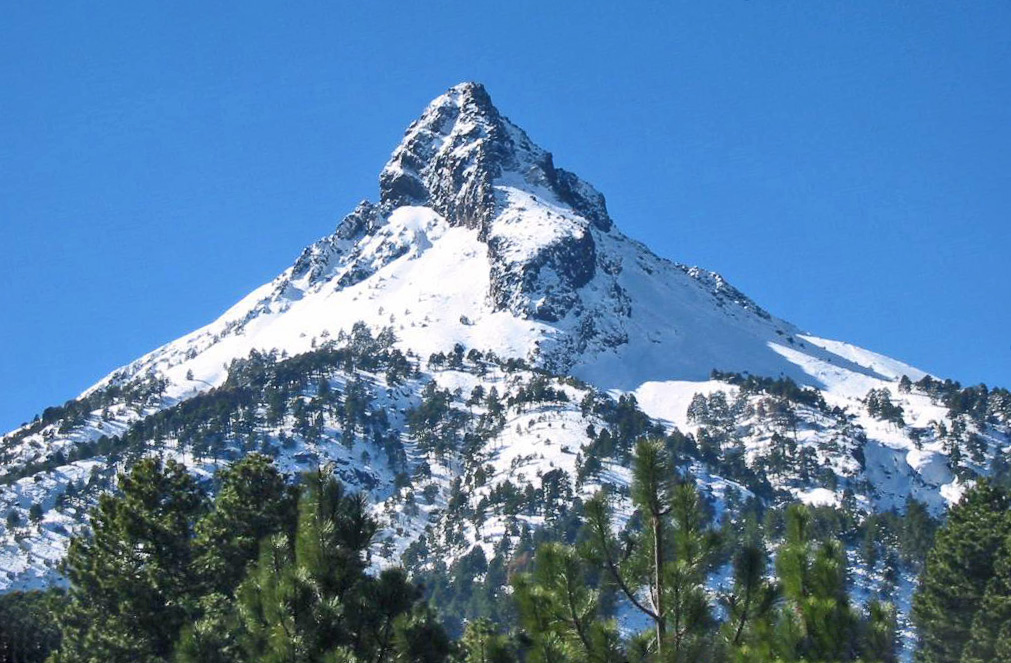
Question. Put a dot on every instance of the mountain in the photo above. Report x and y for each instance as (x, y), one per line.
(474, 221)
(482, 341)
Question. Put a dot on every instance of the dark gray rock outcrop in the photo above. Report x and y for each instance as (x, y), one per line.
(452, 158)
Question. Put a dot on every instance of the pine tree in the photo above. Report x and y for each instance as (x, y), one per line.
(132, 581)
(661, 567)
(334, 533)
(695, 545)
(214, 637)
(816, 623)
(917, 534)
(28, 625)
(990, 636)
(957, 571)
(749, 606)
(651, 489)
(387, 602)
(254, 501)
(419, 638)
(482, 643)
(878, 639)
(269, 602)
(561, 613)
(309, 599)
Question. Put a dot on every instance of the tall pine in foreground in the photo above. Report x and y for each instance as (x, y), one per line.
(133, 584)
(28, 625)
(561, 613)
(990, 635)
(749, 606)
(661, 566)
(957, 572)
(816, 622)
(254, 502)
(310, 599)
(482, 643)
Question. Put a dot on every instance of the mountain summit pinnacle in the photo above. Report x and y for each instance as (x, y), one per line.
(452, 156)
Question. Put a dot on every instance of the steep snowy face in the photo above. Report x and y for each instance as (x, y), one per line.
(466, 161)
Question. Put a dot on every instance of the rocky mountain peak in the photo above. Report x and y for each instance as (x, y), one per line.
(452, 156)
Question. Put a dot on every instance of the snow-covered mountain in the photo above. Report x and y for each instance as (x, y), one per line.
(489, 267)
(479, 239)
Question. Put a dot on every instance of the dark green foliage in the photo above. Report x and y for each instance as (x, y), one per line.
(434, 422)
(714, 411)
(253, 501)
(979, 403)
(309, 599)
(418, 637)
(878, 633)
(661, 565)
(749, 606)
(781, 387)
(990, 635)
(957, 572)
(880, 405)
(817, 622)
(803, 615)
(538, 390)
(917, 533)
(155, 581)
(214, 636)
(461, 594)
(626, 424)
(28, 625)
(482, 643)
(561, 614)
(133, 584)
(461, 597)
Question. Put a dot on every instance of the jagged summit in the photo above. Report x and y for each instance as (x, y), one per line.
(477, 170)
(451, 157)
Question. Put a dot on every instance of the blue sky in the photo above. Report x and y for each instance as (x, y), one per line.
(846, 164)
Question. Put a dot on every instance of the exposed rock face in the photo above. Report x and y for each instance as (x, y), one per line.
(364, 219)
(556, 272)
(449, 158)
(462, 158)
(316, 260)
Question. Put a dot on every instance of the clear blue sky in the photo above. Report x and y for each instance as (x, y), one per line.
(846, 164)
